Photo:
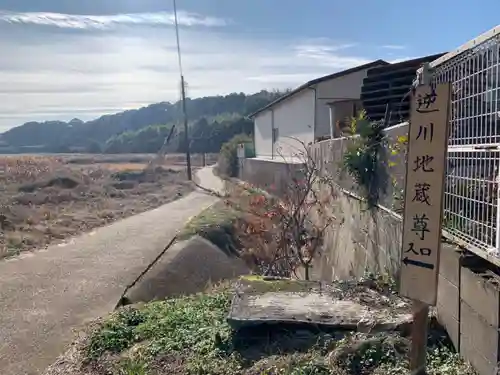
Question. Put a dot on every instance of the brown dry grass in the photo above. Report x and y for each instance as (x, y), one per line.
(124, 166)
(170, 159)
(46, 198)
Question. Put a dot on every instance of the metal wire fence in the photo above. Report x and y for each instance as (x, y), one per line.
(471, 199)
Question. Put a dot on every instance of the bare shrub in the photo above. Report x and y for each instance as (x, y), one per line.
(23, 169)
(28, 199)
(61, 182)
(282, 236)
(125, 185)
(58, 196)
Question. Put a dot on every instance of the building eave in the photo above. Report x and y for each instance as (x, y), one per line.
(314, 82)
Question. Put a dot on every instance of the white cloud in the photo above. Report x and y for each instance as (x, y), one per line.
(59, 75)
(74, 21)
(394, 46)
(279, 79)
(312, 49)
(330, 55)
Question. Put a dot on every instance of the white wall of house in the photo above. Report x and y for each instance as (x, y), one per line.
(293, 118)
(306, 115)
(263, 125)
(336, 89)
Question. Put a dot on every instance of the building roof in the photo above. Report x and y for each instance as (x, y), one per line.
(319, 80)
(389, 85)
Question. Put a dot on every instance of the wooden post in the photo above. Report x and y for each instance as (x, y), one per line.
(423, 210)
(419, 338)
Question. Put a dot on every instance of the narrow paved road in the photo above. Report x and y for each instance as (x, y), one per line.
(46, 296)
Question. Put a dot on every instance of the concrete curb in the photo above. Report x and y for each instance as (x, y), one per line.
(189, 267)
(123, 300)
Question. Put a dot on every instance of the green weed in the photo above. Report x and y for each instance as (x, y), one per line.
(191, 333)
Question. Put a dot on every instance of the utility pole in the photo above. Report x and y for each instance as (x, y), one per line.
(183, 96)
(186, 134)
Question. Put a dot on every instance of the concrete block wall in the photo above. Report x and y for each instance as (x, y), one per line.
(358, 241)
(468, 304)
(448, 301)
(480, 315)
(271, 175)
(362, 240)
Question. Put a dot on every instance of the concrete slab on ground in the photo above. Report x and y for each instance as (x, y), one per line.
(335, 306)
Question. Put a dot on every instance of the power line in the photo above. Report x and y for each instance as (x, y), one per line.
(183, 95)
(177, 38)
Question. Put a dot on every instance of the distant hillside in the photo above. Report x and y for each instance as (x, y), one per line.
(140, 130)
(207, 135)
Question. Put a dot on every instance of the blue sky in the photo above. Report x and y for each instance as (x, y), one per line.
(61, 59)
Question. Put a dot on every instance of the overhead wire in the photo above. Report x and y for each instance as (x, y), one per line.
(183, 93)
(179, 58)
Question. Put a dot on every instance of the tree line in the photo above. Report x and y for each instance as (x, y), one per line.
(213, 121)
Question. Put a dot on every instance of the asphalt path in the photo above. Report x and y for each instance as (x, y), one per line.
(48, 295)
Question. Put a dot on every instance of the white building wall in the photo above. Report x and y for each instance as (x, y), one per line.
(305, 115)
(263, 125)
(337, 89)
(294, 117)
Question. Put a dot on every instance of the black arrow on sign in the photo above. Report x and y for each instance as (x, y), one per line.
(417, 263)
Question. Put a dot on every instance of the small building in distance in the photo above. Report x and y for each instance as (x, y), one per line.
(309, 113)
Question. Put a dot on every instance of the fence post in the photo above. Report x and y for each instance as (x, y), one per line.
(497, 188)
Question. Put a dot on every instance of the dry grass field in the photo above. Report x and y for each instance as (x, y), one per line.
(45, 199)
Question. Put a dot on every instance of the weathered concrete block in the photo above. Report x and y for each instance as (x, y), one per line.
(449, 265)
(480, 334)
(389, 230)
(448, 297)
(478, 291)
(271, 175)
(360, 241)
(317, 304)
(448, 309)
(451, 325)
(340, 258)
(476, 359)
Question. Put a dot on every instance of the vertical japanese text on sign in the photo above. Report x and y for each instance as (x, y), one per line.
(427, 144)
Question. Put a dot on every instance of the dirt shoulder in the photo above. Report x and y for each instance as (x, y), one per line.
(47, 199)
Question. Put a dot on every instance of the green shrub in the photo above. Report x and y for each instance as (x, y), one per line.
(228, 157)
(362, 159)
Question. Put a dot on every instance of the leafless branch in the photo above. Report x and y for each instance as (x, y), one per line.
(296, 238)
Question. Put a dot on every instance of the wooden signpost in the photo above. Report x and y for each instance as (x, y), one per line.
(425, 178)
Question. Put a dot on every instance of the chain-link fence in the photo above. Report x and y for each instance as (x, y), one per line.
(471, 198)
